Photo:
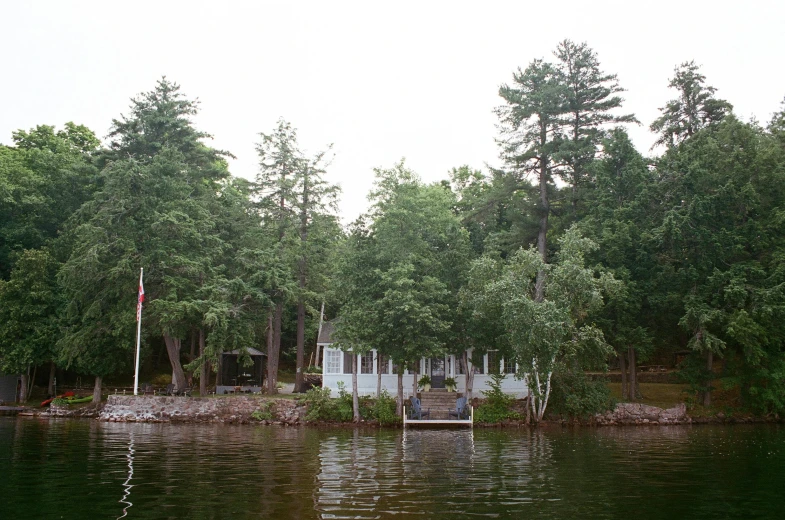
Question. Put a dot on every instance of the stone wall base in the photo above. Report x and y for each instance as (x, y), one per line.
(237, 409)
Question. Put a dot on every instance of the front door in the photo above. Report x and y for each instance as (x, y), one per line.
(437, 372)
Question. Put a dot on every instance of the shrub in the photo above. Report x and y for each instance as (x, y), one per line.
(313, 369)
(694, 373)
(265, 413)
(344, 408)
(498, 405)
(383, 409)
(322, 407)
(319, 404)
(575, 395)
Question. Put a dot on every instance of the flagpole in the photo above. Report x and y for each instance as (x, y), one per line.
(138, 335)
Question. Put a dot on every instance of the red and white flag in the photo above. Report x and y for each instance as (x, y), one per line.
(141, 299)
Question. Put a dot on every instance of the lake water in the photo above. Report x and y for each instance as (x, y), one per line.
(85, 469)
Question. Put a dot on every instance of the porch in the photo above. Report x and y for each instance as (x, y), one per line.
(337, 368)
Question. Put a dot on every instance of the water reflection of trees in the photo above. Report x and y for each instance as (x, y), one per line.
(430, 471)
(221, 471)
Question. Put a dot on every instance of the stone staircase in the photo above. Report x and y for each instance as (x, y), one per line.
(439, 401)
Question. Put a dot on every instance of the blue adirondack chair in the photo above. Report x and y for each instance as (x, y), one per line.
(461, 409)
(417, 412)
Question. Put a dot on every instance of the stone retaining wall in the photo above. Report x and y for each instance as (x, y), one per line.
(635, 413)
(237, 409)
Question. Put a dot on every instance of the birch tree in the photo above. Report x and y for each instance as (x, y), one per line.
(545, 334)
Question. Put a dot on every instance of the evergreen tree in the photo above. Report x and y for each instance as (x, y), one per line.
(532, 134)
(695, 108)
(29, 303)
(591, 101)
(156, 210)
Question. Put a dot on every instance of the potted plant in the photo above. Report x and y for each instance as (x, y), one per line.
(450, 384)
(424, 383)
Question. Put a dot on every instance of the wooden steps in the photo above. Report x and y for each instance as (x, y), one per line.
(440, 402)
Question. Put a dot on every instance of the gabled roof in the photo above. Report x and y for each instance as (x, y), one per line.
(326, 335)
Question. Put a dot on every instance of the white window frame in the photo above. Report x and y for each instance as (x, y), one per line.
(333, 366)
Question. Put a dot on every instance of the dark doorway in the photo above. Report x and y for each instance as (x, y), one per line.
(437, 372)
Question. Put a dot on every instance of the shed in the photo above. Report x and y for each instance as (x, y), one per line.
(8, 388)
(235, 378)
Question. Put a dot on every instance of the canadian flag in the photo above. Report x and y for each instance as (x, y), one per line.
(141, 299)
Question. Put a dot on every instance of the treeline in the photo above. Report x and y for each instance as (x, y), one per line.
(223, 257)
(580, 251)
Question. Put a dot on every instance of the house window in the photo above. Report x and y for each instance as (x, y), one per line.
(459, 368)
(332, 362)
(347, 362)
(366, 363)
(493, 361)
(384, 364)
(508, 366)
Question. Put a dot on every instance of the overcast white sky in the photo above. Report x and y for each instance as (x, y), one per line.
(410, 79)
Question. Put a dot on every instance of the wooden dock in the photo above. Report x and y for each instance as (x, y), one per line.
(12, 410)
(438, 423)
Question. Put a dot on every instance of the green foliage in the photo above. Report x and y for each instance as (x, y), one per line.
(498, 405)
(424, 380)
(383, 410)
(695, 108)
(322, 407)
(450, 382)
(313, 369)
(265, 413)
(29, 303)
(694, 373)
(577, 395)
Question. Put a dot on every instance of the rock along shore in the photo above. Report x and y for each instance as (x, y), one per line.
(239, 409)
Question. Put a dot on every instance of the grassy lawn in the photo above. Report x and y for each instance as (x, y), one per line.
(666, 395)
(662, 395)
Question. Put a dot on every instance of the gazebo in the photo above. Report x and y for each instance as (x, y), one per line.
(236, 378)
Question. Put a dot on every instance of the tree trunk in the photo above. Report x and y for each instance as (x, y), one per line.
(633, 383)
(23, 388)
(623, 367)
(52, 374)
(545, 209)
(97, 390)
(710, 368)
(270, 348)
(378, 375)
(399, 406)
(192, 353)
(299, 374)
(31, 382)
(414, 384)
(355, 396)
(275, 350)
(203, 374)
(528, 407)
(469, 371)
(319, 334)
(173, 349)
(302, 279)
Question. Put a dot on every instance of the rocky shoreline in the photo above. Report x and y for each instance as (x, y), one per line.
(271, 410)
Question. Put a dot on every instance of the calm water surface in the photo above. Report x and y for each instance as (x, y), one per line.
(85, 469)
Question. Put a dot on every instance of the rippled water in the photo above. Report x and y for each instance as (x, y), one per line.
(87, 469)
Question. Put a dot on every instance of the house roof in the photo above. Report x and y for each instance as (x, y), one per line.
(326, 334)
(251, 352)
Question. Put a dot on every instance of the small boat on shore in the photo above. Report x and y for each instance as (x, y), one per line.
(61, 396)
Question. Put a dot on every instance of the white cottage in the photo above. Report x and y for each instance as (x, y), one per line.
(337, 367)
